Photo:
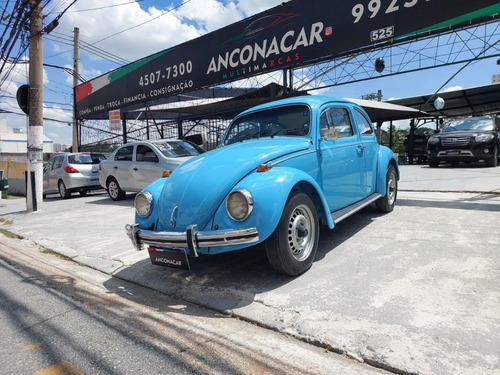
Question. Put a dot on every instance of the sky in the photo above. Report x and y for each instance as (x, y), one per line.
(127, 30)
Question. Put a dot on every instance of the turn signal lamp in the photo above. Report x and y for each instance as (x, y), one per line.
(166, 173)
(263, 168)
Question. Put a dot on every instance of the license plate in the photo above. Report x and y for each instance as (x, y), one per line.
(174, 258)
(452, 152)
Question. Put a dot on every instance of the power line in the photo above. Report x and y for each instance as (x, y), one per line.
(140, 24)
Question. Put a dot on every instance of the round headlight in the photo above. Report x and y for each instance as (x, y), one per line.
(239, 204)
(143, 202)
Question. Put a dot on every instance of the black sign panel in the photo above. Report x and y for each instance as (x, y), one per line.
(294, 34)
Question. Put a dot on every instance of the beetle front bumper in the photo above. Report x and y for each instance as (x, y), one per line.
(191, 238)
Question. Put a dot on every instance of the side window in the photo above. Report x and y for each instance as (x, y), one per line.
(144, 153)
(335, 123)
(124, 154)
(364, 126)
(49, 166)
(58, 162)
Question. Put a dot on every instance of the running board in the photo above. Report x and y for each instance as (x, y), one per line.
(338, 216)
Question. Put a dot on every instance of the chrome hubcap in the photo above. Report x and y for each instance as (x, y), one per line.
(301, 232)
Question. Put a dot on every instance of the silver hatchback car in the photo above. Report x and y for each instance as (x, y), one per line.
(74, 172)
(134, 165)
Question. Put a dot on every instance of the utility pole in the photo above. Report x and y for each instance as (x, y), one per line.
(76, 61)
(34, 191)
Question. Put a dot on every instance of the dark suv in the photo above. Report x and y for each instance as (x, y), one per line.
(466, 139)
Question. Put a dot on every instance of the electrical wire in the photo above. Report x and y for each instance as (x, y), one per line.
(143, 23)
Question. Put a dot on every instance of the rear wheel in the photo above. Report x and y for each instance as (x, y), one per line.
(433, 163)
(114, 190)
(386, 203)
(292, 247)
(63, 192)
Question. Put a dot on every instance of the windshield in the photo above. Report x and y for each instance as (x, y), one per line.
(86, 158)
(291, 120)
(178, 148)
(470, 124)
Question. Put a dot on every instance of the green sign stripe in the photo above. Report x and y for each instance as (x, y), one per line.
(488, 11)
(119, 73)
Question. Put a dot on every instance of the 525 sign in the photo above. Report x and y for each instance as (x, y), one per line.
(375, 7)
(380, 34)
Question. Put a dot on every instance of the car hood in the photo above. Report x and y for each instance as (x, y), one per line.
(196, 189)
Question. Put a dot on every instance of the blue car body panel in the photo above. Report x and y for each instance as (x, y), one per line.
(333, 172)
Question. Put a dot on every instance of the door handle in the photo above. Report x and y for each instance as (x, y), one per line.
(115, 167)
(136, 169)
(361, 147)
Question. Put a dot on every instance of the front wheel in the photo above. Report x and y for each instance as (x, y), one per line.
(114, 190)
(292, 247)
(493, 161)
(386, 203)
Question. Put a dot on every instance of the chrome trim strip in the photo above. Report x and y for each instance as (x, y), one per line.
(140, 237)
(288, 157)
(338, 216)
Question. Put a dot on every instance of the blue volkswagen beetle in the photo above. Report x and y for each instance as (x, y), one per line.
(281, 169)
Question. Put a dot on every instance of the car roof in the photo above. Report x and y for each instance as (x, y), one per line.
(314, 101)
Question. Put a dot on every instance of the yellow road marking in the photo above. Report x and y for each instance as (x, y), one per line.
(63, 368)
(32, 346)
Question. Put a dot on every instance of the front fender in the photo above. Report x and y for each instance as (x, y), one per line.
(385, 158)
(270, 191)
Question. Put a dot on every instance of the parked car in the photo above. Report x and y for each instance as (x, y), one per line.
(466, 140)
(74, 172)
(134, 165)
(418, 148)
(280, 170)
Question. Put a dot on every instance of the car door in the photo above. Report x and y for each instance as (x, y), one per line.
(147, 167)
(55, 173)
(368, 152)
(122, 167)
(341, 161)
(46, 174)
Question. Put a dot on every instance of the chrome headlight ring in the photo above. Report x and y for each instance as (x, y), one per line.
(143, 203)
(239, 204)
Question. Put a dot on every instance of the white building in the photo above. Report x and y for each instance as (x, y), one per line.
(15, 142)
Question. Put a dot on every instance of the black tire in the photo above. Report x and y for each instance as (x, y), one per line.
(63, 192)
(292, 247)
(493, 161)
(433, 163)
(114, 190)
(387, 202)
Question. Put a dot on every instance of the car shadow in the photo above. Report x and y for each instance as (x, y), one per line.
(476, 203)
(232, 280)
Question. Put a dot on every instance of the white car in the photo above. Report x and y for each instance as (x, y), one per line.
(134, 165)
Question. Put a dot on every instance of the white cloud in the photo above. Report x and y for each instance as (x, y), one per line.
(452, 88)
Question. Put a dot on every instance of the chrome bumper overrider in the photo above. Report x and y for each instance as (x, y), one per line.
(191, 238)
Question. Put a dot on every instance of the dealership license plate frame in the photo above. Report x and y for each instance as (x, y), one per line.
(169, 257)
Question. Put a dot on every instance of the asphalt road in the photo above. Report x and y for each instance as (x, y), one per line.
(58, 317)
(415, 291)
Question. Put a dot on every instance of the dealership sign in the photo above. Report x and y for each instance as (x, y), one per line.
(296, 33)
